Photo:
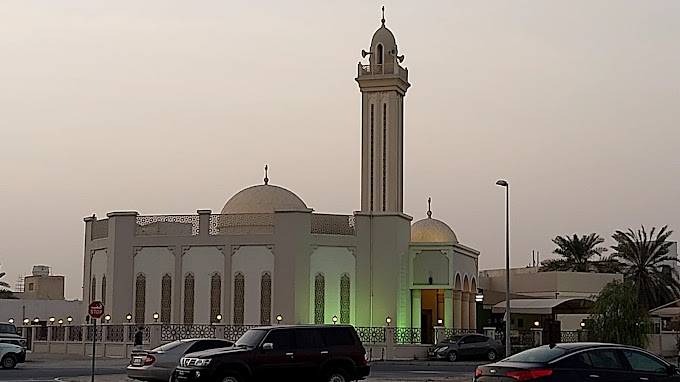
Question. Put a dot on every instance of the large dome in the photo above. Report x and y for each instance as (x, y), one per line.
(430, 230)
(263, 198)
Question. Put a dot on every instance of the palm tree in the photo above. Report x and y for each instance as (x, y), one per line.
(577, 255)
(4, 288)
(647, 265)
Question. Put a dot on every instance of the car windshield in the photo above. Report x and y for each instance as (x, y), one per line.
(8, 328)
(539, 354)
(168, 346)
(251, 338)
(454, 338)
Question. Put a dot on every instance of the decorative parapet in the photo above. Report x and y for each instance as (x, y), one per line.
(100, 229)
(327, 224)
(380, 69)
(242, 224)
(167, 225)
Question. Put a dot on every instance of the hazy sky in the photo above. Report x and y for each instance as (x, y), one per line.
(166, 107)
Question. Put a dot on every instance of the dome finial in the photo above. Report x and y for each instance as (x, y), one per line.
(383, 15)
(266, 180)
(429, 208)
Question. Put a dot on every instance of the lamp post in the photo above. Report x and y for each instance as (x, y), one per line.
(334, 319)
(388, 320)
(69, 319)
(128, 317)
(155, 317)
(504, 183)
(279, 318)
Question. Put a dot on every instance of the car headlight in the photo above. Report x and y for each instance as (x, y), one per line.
(202, 362)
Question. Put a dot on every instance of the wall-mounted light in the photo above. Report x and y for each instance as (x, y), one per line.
(36, 320)
(61, 321)
(52, 319)
(11, 320)
(69, 319)
(26, 321)
(479, 297)
(218, 317)
(537, 323)
(279, 318)
(440, 322)
(388, 320)
(128, 317)
(335, 319)
(155, 316)
(583, 323)
(107, 318)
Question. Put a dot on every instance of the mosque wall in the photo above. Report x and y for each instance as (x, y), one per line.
(252, 262)
(431, 267)
(99, 270)
(332, 273)
(153, 263)
(203, 263)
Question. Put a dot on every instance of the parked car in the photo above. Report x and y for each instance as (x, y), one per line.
(9, 335)
(159, 363)
(467, 345)
(10, 355)
(281, 353)
(580, 361)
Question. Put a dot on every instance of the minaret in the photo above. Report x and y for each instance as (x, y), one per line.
(383, 84)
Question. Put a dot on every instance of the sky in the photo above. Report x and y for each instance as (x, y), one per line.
(167, 107)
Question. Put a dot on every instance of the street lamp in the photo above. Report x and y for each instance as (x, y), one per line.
(505, 184)
(155, 316)
(335, 319)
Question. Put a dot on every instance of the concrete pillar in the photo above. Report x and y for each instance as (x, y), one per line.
(219, 331)
(448, 308)
(154, 335)
(389, 342)
(439, 334)
(537, 335)
(416, 307)
(204, 223)
(465, 310)
(457, 296)
(473, 313)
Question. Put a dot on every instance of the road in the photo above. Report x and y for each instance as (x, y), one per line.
(42, 367)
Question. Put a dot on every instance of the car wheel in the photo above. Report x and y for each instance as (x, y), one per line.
(337, 375)
(8, 361)
(452, 356)
(491, 355)
(231, 376)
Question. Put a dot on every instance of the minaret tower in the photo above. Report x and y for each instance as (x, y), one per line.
(383, 84)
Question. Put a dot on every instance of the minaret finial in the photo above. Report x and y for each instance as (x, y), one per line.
(429, 208)
(383, 13)
(266, 180)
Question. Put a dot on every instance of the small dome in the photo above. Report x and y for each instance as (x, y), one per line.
(430, 230)
(263, 198)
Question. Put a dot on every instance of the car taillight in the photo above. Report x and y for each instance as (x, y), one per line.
(478, 373)
(149, 360)
(527, 375)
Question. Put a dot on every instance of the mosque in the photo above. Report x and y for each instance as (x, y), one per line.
(268, 255)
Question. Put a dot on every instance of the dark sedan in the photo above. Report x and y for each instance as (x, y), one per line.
(467, 345)
(581, 361)
(159, 363)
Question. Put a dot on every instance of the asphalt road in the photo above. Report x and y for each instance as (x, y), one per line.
(41, 367)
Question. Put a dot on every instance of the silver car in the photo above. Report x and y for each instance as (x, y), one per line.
(464, 345)
(159, 363)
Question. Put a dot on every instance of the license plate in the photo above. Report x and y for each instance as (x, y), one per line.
(137, 361)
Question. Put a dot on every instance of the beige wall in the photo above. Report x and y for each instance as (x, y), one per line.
(42, 288)
(546, 284)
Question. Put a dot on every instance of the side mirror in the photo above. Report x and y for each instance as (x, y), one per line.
(268, 346)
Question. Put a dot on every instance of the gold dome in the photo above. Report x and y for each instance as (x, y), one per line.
(431, 230)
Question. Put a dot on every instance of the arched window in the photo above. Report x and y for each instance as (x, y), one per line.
(319, 298)
(380, 54)
(266, 299)
(140, 298)
(104, 290)
(344, 299)
(215, 296)
(93, 296)
(239, 298)
(189, 299)
(166, 299)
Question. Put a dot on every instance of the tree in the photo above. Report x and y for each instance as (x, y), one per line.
(4, 288)
(577, 255)
(646, 264)
(618, 317)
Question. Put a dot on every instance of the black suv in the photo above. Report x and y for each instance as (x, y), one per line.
(297, 352)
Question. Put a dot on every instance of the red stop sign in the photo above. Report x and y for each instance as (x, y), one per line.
(96, 309)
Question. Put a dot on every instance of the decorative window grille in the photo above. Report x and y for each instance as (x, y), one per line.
(266, 299)
(166, 299)
(215, 296)
(372, 147)
(104, 290)
(140, 299)
(319, 298)
(239, 298)
(344, 299)
(189, 299)
(93, 296)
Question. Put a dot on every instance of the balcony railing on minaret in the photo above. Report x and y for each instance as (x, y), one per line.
(391, 68)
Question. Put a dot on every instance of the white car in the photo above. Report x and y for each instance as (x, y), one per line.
(10, 355)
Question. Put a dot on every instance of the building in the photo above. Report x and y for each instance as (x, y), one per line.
(41, 285)
(268, 254)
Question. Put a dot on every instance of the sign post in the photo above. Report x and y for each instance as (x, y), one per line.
(96, 311)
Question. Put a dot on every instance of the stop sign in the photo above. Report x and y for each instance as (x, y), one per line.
(96, 309)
